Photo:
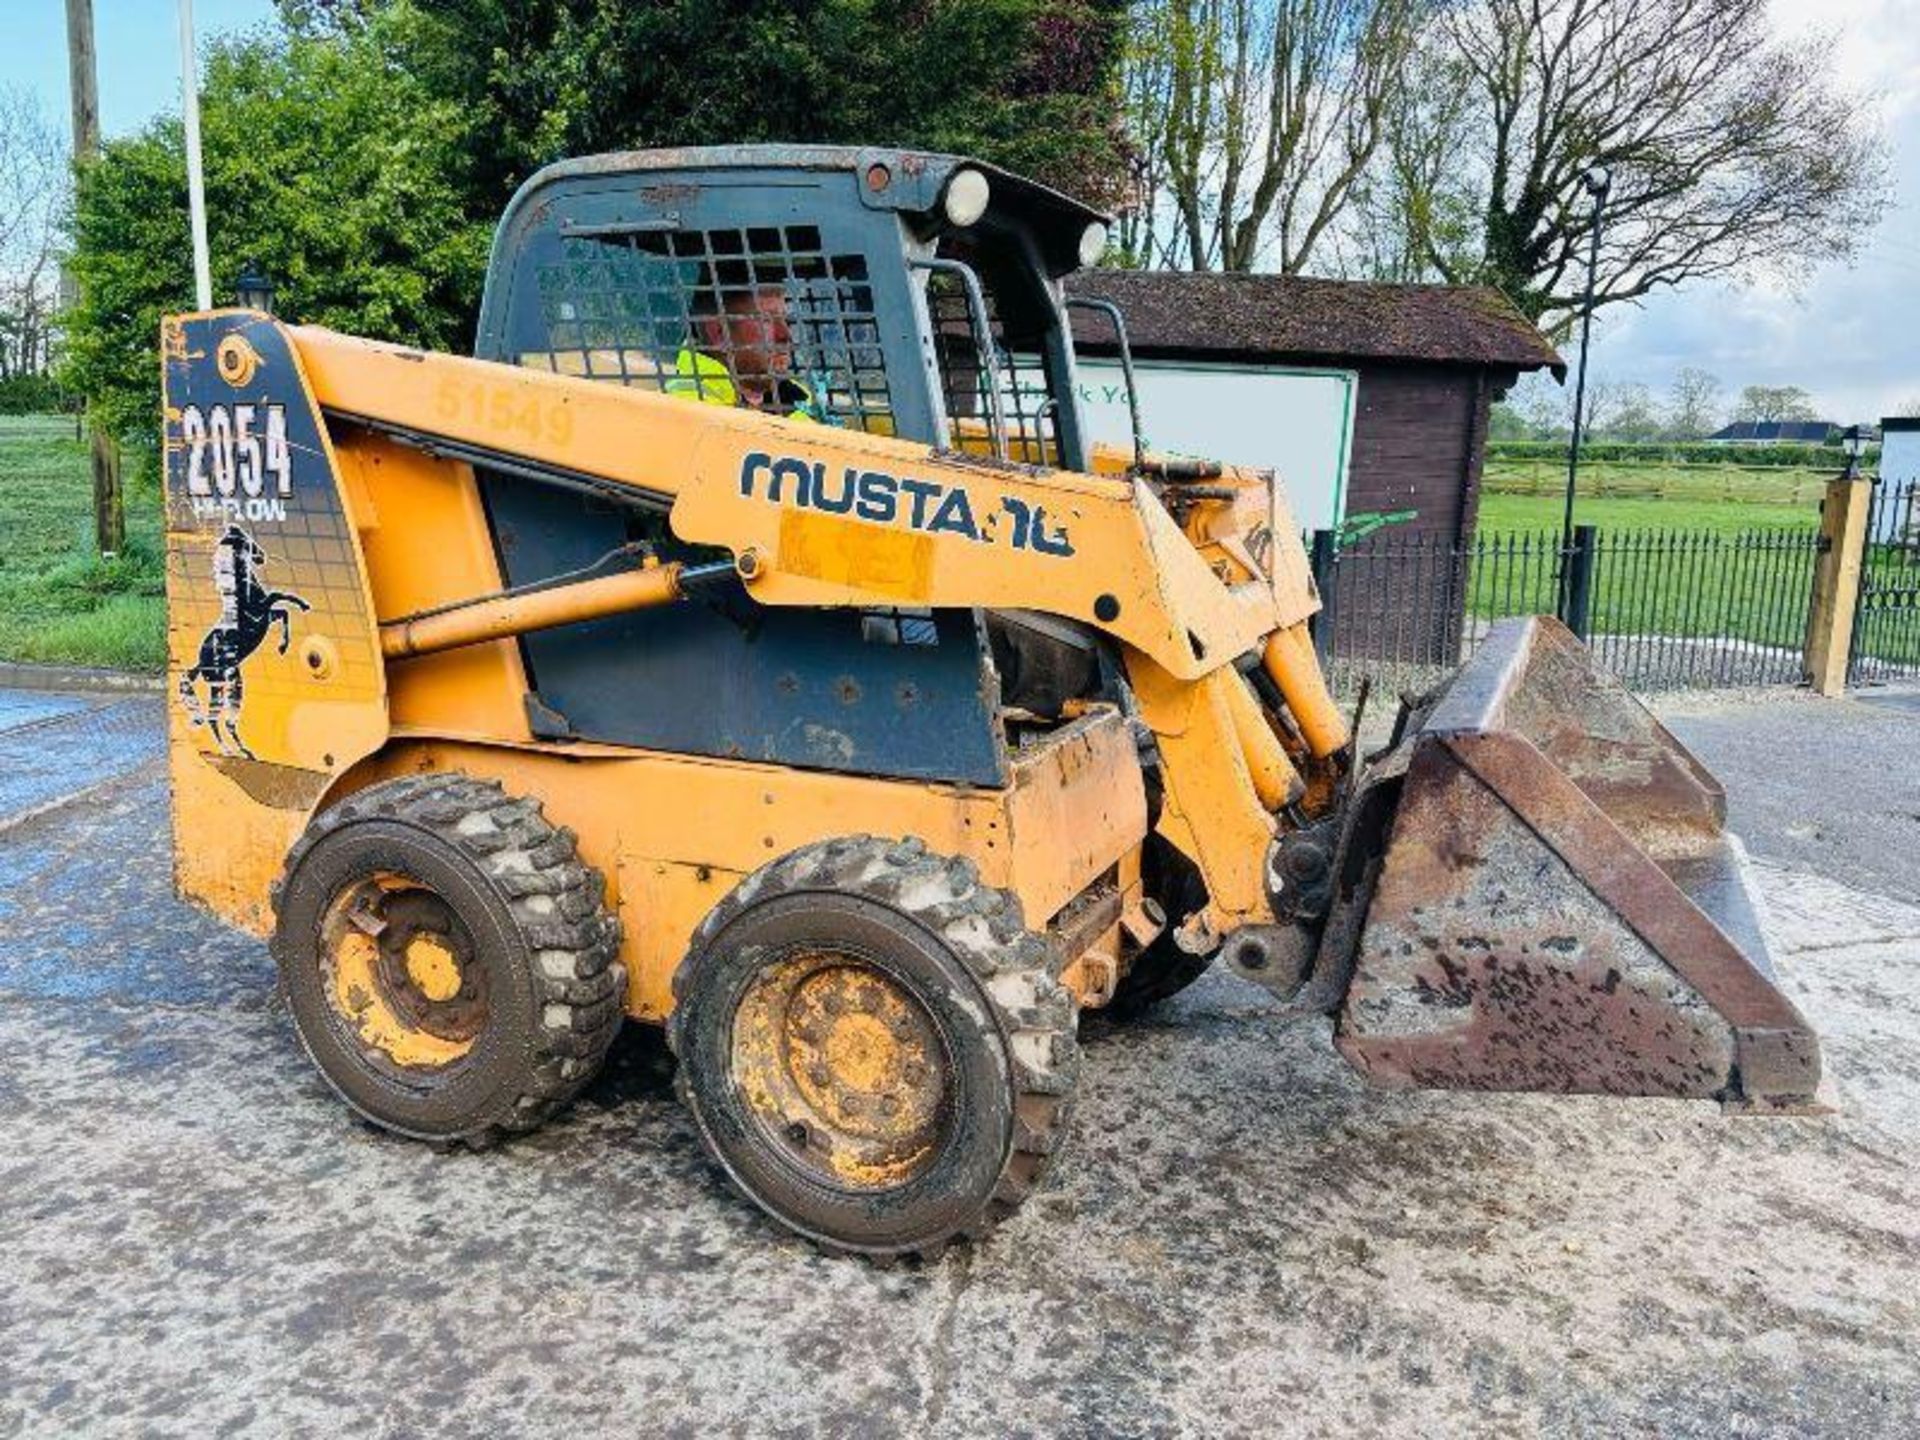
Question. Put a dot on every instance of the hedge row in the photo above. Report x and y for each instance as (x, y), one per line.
(1798, 457)
(30, 395)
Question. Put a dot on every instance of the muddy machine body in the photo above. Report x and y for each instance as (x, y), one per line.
(864, 726)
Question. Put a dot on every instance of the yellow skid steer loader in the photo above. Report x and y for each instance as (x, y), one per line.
(752, 640)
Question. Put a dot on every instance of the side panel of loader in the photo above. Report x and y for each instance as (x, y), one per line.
(674, 833)
(276, 682)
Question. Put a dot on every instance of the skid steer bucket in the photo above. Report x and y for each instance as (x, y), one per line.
(1558, 906)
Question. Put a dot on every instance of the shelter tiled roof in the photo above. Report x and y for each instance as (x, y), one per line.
(1211, 315)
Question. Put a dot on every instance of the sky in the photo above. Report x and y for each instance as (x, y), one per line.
(138, 44)
(1850, 335)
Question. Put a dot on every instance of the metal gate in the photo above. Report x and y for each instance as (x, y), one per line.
(1886, 621)
(1663, 609)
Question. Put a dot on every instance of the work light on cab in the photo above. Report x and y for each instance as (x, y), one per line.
(966, 198)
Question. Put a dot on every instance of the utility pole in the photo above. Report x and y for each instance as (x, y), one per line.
(109, 515)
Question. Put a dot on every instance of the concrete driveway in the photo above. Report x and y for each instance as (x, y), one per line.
(1241, 1239)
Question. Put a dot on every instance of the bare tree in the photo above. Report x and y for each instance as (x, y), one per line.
(1406, 205)
(1694, 406)
(1544, 406)
(1622, 411)
(33, 191)
(1256, 120)
(1768, 404)
(1731, 151)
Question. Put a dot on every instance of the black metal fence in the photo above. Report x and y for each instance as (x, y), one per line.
(1886, 621)
(1664, 609)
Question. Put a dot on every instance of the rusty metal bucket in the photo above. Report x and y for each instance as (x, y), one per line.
(1559, 907)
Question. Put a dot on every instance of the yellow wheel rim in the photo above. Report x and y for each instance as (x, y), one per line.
(844, 1068)
(401, 975)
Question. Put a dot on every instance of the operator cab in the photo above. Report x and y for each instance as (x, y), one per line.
(900, 293)
(897, 292)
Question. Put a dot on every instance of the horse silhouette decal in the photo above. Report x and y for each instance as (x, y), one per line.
(248, 610)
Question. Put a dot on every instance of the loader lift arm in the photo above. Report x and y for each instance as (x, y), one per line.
(834, 517)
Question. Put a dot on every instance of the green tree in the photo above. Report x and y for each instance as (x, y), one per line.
(1022, 83)
(327, 164)
(362, 151)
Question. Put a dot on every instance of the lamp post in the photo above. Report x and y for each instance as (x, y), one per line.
(1855, 439)
(1596, 182)
(254, 290)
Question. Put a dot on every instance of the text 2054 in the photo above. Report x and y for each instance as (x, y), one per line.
(238, 459)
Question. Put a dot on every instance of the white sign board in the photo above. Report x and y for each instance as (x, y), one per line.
(1297, 423)
(1899, 480)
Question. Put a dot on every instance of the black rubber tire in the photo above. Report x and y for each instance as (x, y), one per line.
(1163, 969)
(540, 927)
(990, 986)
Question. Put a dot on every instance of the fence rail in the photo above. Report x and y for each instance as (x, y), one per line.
(1663, 609)
(1729, 482)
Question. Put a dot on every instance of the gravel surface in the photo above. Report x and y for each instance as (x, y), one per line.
(1242, 1239)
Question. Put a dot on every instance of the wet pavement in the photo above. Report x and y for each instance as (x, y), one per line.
(1240, 1239)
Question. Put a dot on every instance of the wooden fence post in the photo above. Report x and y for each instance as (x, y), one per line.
(109, 508)
(1836, 583)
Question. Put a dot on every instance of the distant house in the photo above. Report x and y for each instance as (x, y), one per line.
(1778, 432)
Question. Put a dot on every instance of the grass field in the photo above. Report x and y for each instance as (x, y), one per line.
(1527, 495)
(59, 602)
(1702, 573)
(1509, 514)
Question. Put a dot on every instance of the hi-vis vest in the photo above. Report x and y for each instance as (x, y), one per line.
(698, 376)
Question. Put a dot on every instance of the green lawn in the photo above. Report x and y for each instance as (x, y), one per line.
(1524, 495)
(1691, 550)
(1509, 514)
(59, 602)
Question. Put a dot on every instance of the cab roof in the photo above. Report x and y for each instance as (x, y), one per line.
(889, 178)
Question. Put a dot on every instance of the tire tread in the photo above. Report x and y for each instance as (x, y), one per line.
(1017, 971)
(554, 899)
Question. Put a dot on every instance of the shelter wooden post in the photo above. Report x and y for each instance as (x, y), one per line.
(1836, 582)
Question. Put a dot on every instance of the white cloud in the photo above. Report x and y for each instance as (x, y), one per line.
(1852, 335)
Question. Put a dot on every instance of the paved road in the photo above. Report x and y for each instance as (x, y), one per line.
(1831, 786)
(1241, 1240)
